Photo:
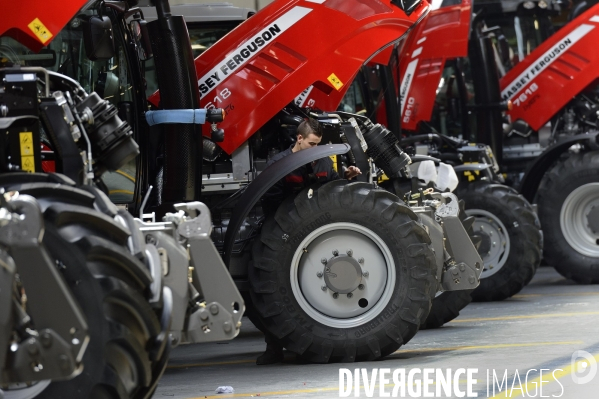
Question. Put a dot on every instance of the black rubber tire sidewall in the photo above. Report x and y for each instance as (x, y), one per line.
(565, 176)
(523, 229)
(414, 261)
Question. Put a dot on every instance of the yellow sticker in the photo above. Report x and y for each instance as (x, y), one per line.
(334, 159)
(28, 164)
(40, 30)
(337, 84)
(27, 155)
(26, 141)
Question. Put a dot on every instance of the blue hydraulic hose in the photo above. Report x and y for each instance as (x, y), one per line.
(189, 116)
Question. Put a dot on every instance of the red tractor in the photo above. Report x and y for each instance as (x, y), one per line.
(544, 144)
(344, 271)
(509, 237)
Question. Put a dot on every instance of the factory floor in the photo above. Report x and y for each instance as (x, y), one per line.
(543, 342)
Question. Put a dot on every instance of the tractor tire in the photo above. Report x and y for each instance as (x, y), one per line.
(127, 352)
(567, 198)
(511, 240)
(446, 307)
(370, 238)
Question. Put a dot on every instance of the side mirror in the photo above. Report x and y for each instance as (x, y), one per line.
(98, 38)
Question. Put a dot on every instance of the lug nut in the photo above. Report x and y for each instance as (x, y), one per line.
(350, 252)
(462, 267)
(349, 295)
(319, 274)
(365, 274)
(361, 261)
(361, 287)
(324, 287)
(335, 295)
(323, 261)
(214, 309)
(335, 252)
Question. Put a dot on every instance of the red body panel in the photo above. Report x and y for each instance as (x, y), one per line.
(23, 19)
(443, 36)
(560, 68)
(262, 65)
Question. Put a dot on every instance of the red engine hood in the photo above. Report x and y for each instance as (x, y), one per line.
(444, 36)
(290, 45)
(34, 23)
(560, 68)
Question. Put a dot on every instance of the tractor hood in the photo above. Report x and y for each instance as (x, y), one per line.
(263, 64)
(34, 23)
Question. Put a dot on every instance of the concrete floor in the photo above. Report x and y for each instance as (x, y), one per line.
(540, 328)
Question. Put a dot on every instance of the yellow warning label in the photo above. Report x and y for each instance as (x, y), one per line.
(26, 141)
(27, 155)
(28, 164)
(334, 159)
(40, 30)
(337, 84)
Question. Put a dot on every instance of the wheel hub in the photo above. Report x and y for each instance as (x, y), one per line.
(593, 219)
(342, 274)
(579, 219)
(494, 247)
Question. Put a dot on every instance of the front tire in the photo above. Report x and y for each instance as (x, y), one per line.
(124, 358)
(511, 238)
(329, 237)
(568, 200)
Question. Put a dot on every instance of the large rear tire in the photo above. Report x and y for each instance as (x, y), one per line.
(511, 238)
(568, 200)
(125, 357)
(371, 255)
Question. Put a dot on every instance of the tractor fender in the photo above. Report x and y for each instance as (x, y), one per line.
(535, 172)
(267, 179)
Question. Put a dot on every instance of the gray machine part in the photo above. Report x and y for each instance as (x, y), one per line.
(435, 232)
(7, 275)
(175, 271)
(218, 316)
(221, 318)
(57, 349)
(464, 266)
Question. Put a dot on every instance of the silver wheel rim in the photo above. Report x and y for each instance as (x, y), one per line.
(489, 225)
(343, 310)
(22, 391)
(574, 219)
